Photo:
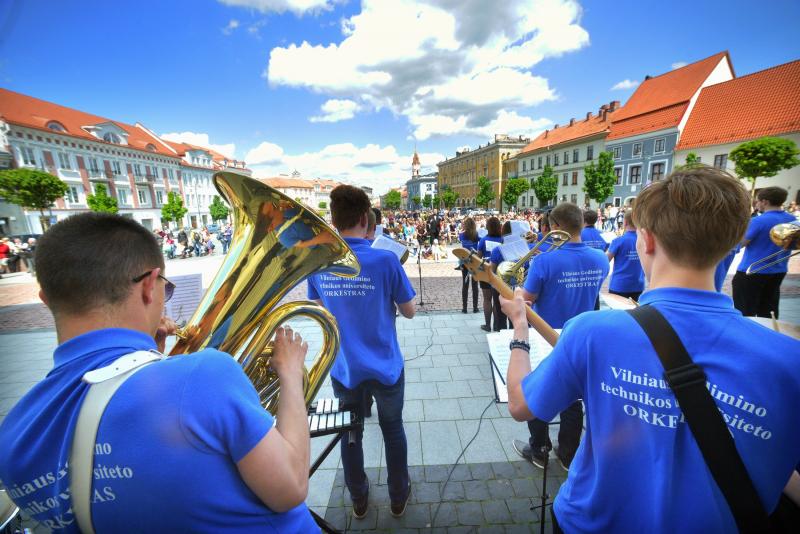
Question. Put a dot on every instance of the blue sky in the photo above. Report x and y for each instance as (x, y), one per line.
(374, 77)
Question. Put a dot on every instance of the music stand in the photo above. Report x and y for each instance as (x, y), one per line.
(419, 268)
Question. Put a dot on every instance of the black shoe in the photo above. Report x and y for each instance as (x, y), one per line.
(485, 328)
(537, 458)
(399, 508)
(475, 310)
(463, 310)
(564, 460)
(361, 506)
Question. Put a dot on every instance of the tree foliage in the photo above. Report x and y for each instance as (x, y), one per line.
(546, 186)
(764, 157)
(101, 201)
(416, 200)
(31, 188)
(427, 201)
(322, 205)
(485, 192)
(449, 197)
(436, 202)
(393, 200)
(599, 180)
(173, 210)
(514, 188)
(692, 160)
(219, 211)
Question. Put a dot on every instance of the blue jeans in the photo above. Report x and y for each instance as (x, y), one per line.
(390, 417)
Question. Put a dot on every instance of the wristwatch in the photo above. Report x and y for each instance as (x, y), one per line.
(519, 344)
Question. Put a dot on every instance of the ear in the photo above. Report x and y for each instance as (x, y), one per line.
(648, 239)
(149, 286)
(43, 298)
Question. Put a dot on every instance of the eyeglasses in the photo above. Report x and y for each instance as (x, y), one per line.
(169, 287)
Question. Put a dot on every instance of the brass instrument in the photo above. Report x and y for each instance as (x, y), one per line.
(512, 273)
(276, 244)
(786, 236)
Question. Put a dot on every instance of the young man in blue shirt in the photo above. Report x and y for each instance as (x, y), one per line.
(561, 284)
(369, 362)
(627, 278)
(173, 430)
(758, 294)
(591, 235)
(639, 469)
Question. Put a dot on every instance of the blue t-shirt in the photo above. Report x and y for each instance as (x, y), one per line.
(761, 245)
(628, 276)
(593, 238)
(167, 445)
(722, 268)
(566, 281)
(467, 243)
(364, 308)
(482, 245)
(638, 468)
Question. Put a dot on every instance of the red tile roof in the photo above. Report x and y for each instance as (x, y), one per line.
(580, 129)
(286, 183)
(659, 102)
(763, 103)
(23, 110)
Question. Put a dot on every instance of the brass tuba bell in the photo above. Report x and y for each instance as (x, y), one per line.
(277, 243)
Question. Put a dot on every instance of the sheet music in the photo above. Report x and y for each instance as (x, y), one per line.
(616, 302)
(510, 238)
(483, 232)
(384, 243)
(188, 292)
(520, 227)
(378, 229)
(514, 250)
(491, 245)
(501, 354)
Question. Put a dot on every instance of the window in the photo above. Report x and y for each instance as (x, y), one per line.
(555, 160)
(73, 194)
(566, 157)
(524, 165)
(115, 166)
(27, 156)
(618, 174)
(159, 197)
(574, 198)
(617, 202)
(150, 147)
(656, 172)
(143, 197)
(111, 137)
(636, 174)
(522, 201)
(574, 177)
(137, 169)
(589, 152)
(659, 146)
(122, 194)
(617, 152)
(637, 150)
(94, 168)
(721, 161)
(575, 156)
(171, 175)
(563, 198)
(533, 181)
(56, 126)
(540, 162)
(63, 161)
(564, 179)
(547, 161)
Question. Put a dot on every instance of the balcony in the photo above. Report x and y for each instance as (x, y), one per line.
(144, 179)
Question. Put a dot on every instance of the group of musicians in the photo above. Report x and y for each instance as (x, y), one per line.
(184, 444)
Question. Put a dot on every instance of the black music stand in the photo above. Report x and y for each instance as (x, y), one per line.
(419, 268)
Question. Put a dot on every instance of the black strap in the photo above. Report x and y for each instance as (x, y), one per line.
(688, 383)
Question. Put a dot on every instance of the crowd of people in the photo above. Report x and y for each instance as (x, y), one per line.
(188, 242)
(17, 256)
(639, 465)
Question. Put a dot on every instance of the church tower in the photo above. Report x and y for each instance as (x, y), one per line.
(415, 164)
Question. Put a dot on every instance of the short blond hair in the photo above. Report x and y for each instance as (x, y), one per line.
(698, 215)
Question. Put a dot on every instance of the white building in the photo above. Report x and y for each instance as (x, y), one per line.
(295, 188)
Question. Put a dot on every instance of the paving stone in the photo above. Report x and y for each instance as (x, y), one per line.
(525, 487)
(522, 528)
(435, 374)
(460, 472)
(503, 470)
(440, 443)
(500, 489)
(443, 515)
(485, 446)
(446, 360)
(426, 492)
(455, 348)
(435, 473)
(442, 409)
(480, 359)
(339, 496)
(337, 517)
(412, 410)
(520, 510)
(453, 491)
(416, 516)
(491, 529)
(481, 471)
(453, 390)
(413, 442)
(465, 372)
(472, 408)
(482, 387)
(420, 390)
(412, 375)
(411, 361)
(469, 513)
(476, 490)
(460, 530)
(526, 470)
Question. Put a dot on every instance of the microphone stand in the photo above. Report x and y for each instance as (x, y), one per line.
(419, 268)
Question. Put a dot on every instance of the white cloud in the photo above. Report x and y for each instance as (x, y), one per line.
(443, 64)
(678, 64)
(426, 126)
(200, 139)
(336, 110)
(298, 7)
(380, 167)
(625, 84)
(232, 25)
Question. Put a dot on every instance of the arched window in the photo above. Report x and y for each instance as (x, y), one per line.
(56, 126)
(151, 147)
(111, 137)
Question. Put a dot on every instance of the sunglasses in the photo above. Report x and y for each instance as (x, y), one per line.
(169, 287)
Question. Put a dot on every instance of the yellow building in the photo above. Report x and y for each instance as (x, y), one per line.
(461, 173)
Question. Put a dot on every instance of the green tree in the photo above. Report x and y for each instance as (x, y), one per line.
(322, 205)
(436, 202)
(546, 186)
(485, 192)
(449, 197)
(692, 160)
(514, 188)
(101, 202)
(764, 157)
(416, 200)
(173, 210)
(219, 211)
(427, 201)
(599, 180)
(393, 200)
(32, 189)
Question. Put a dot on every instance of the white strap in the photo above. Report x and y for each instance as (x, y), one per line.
(103, 383)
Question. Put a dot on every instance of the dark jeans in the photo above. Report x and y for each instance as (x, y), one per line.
(628, 294)
(467, 281)
(757, 294)
(569, 431)
(500, 319)
(390, 419)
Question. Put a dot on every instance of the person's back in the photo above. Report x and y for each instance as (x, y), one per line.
(591, 235)
(627, 277)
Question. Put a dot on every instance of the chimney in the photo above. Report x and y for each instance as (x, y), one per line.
(647, 77)
(614, 105)
(603, 114)
(588, 115)
(555, 127)
(571, 122)
(602, 109)
(545, 133)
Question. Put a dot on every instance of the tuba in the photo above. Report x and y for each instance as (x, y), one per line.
(277, 243)
(512, 273)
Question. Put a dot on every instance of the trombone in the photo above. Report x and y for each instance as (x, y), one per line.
(786, 236)
(512, 273)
